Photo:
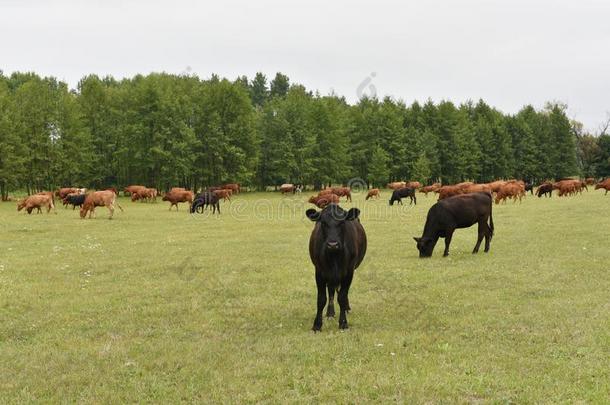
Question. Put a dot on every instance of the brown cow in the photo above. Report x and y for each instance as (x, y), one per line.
(132, 189)
(178, 197)
(496, 185)
(567, 187)
(449, 191)
(287, 188)
(63, 192)
(234, 187)
(430, 189)
(509, 190)
(374, 192)
(590, 181)
(341, 192)
(144, 194)
(414, 184)
(224, 194)
(322, 200)
(177, 189)
(477, 188)
(36, 201)
(397, 185)
(605, 184)
(105, 198)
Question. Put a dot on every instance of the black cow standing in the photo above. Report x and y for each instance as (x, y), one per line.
(449, 214)
(202, 200)
(76, 200)
(404, 192)
(337, 247)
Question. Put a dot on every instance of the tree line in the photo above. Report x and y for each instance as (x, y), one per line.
(167, 130)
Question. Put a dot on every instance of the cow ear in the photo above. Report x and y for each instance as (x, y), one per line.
(352, 214)
(416, 239)
(313, 214)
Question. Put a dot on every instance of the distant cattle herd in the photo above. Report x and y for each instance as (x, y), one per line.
(338, 241)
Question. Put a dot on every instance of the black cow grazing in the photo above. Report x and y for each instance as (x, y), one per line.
(545, 188)
(529, 187)
(202, 200)
(337, 246)
(404, 192)
(76, 200)
(449, 214)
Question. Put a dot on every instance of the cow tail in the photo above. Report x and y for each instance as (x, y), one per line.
(491, 221)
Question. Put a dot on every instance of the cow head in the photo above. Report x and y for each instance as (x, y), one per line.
(332, 220)
(425, 246)
(21, 204)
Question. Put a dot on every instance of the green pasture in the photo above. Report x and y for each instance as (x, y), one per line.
(160, 306)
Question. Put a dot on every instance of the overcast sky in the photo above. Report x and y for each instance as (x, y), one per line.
(509, 53)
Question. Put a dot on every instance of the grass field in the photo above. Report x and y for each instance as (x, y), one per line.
(159, 306)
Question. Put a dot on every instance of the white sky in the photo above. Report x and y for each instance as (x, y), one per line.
(509, 53)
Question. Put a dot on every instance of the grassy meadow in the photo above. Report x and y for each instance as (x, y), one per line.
(160, 306)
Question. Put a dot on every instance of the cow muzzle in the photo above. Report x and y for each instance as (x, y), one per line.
(333, 245)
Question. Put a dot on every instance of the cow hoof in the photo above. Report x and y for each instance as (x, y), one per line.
(343, 325)
(317, 327)
(330, 314)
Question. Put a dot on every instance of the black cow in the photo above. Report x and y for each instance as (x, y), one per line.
(202, 200)
(404, 192)
(449, 214)
(76, 200)
(337, 246)
(545, 188)
(529, 187)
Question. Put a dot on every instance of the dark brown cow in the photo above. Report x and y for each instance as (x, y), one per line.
(544, 189)
(605, 184)
(104, 198)
(461, 211)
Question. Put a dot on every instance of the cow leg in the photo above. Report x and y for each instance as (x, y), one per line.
(218, 207)
(344, 300)
(487, 237)
(111, 209)
(414, 199)
(448, 236)
(482, 228)
(330, 309)
(317, 322)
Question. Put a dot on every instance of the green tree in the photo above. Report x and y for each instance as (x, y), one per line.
(279, 85)
(379, 172)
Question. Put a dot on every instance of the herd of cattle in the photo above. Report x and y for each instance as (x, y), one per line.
(502, 190)
(338, 241)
